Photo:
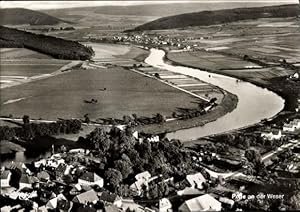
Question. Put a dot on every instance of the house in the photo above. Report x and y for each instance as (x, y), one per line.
(111, 208)
(42, 209)
(45, 195)
(79, 150)
(6, 209)
(189, 191)
(196, 180)
(63, 169)
(88, 196)
(296, 123)
(113, 199)
(227, 201)
(5, 179)
(142, 179)
(288, 128)
(54, 163)
(59, 202)
(137, 187)
(153, 139)
(26, 181)
(144, 176)
(272, 135)
(202, 203)
(43, 176)
(38, 164)
(89, 179)
(130, 205)
(135, 134)
(164, 205)
(295, 76)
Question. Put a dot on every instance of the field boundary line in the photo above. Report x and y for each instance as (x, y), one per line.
(172, 85)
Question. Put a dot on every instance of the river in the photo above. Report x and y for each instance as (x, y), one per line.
(254, 103)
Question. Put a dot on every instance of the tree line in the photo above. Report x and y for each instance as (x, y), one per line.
(53, 46)
(30, 131)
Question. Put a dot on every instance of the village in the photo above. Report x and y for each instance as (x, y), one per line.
(67, 180)
(195, 118)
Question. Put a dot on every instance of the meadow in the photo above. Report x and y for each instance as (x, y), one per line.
(209, 60)
(64, 96)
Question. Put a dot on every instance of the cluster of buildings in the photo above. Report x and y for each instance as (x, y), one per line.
(62, 182)
(292, 126)
(156, 40)
(55, 184)
(276, 134)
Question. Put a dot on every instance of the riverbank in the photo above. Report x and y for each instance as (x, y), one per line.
(228, 104)
(287, 89)
(280, 85)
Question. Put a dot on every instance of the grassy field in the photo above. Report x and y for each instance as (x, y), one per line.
(17, 64)
(21, 53)
(209, 60)
(63, 96)
(27, 70)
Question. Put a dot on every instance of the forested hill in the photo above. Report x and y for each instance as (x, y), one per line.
(55, 47)
(206, 18)
(17, 16)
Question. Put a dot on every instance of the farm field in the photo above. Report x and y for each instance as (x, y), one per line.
(26, 70)
(270, 40)
(18, 64)
(209, 60)
(202, 89)
(63, 96)
(21, 53)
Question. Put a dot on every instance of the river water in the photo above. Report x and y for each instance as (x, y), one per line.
(254, 103)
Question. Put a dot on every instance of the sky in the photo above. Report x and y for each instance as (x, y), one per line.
(39, 5)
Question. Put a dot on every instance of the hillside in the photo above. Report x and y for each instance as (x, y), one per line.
(158, 10)
(55, 47)
(206, 18)
(18, 16)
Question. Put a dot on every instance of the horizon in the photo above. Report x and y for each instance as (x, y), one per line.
(48, 5)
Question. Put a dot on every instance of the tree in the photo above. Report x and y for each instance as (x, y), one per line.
(87, 119)
(98, 139)
(253, 155)
(113, 178)
(126, 119)
(124, 167)
(159, 118)
(26, 120)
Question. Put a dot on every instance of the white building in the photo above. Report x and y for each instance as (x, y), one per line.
(196, 180)
(5, 178)
(272, 135)
(288, 128)
(202, 203)
(89, 179)
(165, 205)
(143, 176)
